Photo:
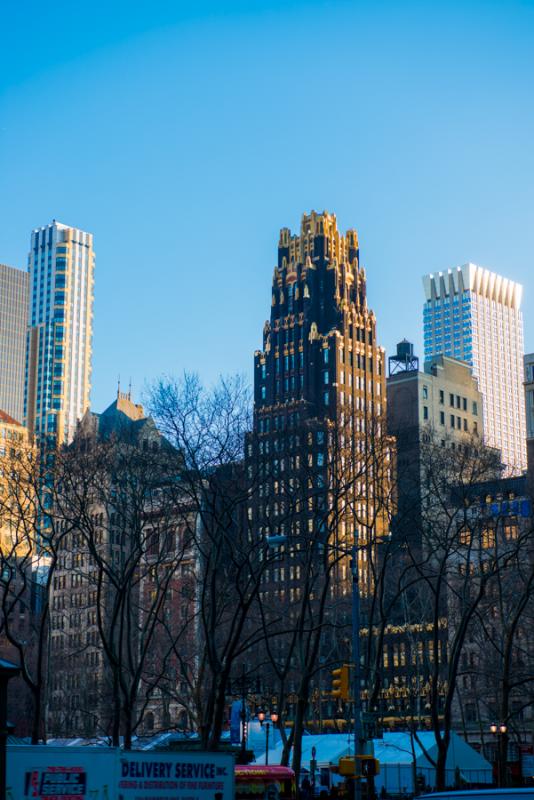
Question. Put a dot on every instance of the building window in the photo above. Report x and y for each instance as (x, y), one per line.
(263, 392)
(425, 412)
(451, 400)
(475, 408)
(425, 392)
(452, 420)
(442, 417)
(325, 398)
(325, 355)
(325, 376)
(441, 396)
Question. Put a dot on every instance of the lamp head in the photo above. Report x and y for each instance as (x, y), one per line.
(261, 717)
(502, 728)
(274, 717)
(493, 727)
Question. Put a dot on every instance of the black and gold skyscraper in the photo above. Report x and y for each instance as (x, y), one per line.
(319, 400)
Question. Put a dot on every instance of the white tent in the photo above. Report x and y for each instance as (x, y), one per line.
(329, 749)
(395, 753)
(396, 750)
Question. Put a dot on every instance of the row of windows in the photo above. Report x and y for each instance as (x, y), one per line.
(279, 422)
(290, 362)
(421, 652)
(432, 304)
(455, 400)
(455, 422)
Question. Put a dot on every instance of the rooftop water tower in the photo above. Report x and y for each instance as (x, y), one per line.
(404, 360)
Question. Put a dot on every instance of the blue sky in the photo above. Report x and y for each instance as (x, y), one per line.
(185, 135)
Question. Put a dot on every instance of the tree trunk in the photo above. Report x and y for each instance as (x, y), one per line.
(219, 706)
(286, 750)
(116, 719)
(441, 764)
(127, 728)
(37, 711)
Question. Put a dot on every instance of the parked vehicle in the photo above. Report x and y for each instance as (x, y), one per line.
(482, 794)
(258, 782)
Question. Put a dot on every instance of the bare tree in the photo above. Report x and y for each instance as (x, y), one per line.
(329, 507)
(125, 555)
(453, 566)
(497, 668)
(208, 428)
(31, 540)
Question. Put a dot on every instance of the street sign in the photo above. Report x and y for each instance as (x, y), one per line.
(60, 773)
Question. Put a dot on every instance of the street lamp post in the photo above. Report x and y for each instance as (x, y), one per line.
(313, 769)
(500, 731)
(274, 720)
(357, 703)
(241, 687)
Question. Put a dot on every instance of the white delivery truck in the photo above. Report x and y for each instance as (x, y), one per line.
(102, 773)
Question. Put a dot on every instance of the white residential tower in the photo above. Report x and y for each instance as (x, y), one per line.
(58, 378)
(474, 315)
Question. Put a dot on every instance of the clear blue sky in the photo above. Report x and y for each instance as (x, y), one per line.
(185, 135)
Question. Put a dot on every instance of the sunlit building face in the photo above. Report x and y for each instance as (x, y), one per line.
(58, 377)
(474, 315)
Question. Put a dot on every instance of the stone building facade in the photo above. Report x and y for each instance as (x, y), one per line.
(123, 556)
(319, 451)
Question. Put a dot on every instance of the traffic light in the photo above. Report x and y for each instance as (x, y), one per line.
(340, 682)
(369, 766)
(364, 767)
(346, 766)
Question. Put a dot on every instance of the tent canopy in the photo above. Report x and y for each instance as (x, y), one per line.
(329, 749)
(395, 752)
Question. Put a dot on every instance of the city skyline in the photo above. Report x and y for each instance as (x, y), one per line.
(190, 148)
(414, 335)
(300, 232)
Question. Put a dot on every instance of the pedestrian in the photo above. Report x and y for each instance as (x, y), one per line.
(305, 789)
